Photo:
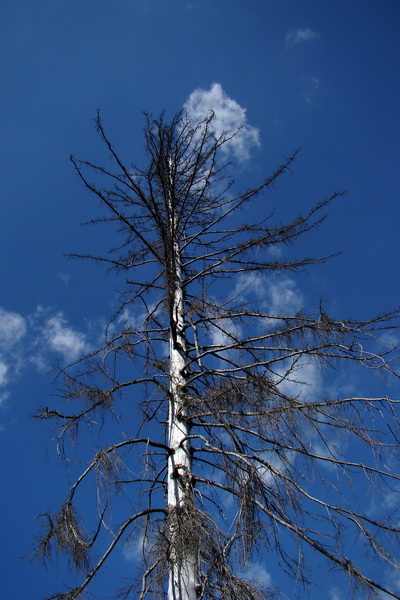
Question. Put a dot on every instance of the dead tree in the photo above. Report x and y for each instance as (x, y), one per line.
(206, 386)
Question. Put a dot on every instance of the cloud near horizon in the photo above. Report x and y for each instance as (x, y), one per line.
(229, 118)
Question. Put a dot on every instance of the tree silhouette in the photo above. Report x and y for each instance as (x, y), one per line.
(221, 442)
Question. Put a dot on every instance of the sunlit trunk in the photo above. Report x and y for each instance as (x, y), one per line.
(183, 567)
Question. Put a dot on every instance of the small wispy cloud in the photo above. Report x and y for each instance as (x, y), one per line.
(3, 399)
(300, 378)
(312, 87)
(278, 296)
(329, 449)
(3, 373)
(64, 278)
(133, 549)
(63, 339)
(392, 581)
(229, 118)
(301, 35)
(334, 594)
(258, 573)
(12, 328)
(277, 465)
(224, 332)
(250, 284)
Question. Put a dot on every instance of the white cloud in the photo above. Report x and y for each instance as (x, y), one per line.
(333, 594)
(249, 284)
(259, 574)
(229, 118)
(301, 35)
(275, 251)
(132, 551)
(63, 339)
(12, 328)
(224, 332)
(280, 296)
(65, 278)
(277, 464)
(3, 373)
(31, 340)
(392, 581)
(312, 86)
(300, 379)
(390, 500)
(284, 297)
(3, 399)
(131, 319)
(387, 500)
(330, 449)
(136, 546)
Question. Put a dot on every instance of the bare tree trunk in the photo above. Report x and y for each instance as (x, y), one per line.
(183, 562)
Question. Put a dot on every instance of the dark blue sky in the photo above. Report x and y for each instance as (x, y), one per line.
(320, 75)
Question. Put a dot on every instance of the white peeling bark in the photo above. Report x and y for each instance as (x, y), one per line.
(183, 555)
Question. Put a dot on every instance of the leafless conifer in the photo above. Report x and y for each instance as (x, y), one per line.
(218, 380)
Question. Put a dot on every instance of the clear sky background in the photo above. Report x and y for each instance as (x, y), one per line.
(323, 75)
